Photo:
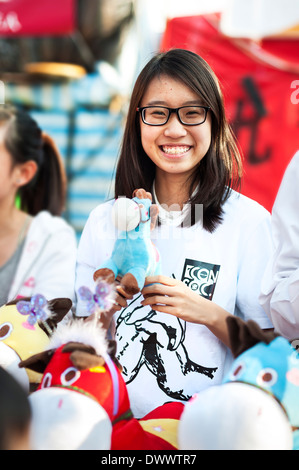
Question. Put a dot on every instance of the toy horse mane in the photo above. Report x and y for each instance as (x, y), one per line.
(244, 335)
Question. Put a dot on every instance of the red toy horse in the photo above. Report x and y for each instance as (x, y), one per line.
(81, 360)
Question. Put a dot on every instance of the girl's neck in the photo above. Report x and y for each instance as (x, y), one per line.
(172, 191)
(14, 225)
(11, 219)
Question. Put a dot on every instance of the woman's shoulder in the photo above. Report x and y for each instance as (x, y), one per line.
(292, 168)
(101, 213)
(288, 190)
(101, 208)
(244, 208)
(48, 223)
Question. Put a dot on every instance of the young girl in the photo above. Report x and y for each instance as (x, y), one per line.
(214, 243)
(37, 247)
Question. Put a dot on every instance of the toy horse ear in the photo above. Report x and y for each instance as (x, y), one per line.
(83, 356)
(84, 360)
(59, 308)
(112, 347)
(38, 362)
(15, 301)
(154, 211)
(244, 335)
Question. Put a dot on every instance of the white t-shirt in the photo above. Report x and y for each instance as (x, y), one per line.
(163, 357)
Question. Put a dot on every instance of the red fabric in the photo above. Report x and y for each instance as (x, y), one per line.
(129, 435)
(262, 100)
(36, 17)
(171, 410)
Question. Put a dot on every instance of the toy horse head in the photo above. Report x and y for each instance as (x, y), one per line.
(25, 329)
(271, 365)
(128, 214)
(256, 405)
(134, 256)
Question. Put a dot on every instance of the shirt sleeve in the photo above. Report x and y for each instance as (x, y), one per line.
(256, 252)
(56, 273)
(95, 245)
(86, 263)
(280, 284)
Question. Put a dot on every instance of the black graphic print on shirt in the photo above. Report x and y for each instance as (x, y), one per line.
(201, 277)
(148, 339)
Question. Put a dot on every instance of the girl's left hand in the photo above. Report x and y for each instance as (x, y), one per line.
(168, 295)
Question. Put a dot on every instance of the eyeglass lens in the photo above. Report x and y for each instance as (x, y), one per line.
(157, 115)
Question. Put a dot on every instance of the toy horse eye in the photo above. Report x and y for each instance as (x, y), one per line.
(237, 372)
(70, 376)
(5, 330)
(267, 377)
(47, 380)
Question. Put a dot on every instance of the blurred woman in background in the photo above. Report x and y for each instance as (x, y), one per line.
(37, 246)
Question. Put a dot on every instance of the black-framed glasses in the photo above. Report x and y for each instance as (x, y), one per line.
(187, 115)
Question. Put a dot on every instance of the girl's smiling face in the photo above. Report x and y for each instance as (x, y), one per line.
(174, 147)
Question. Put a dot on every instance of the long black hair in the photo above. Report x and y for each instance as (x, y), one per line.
(221, 168)
(24, 140)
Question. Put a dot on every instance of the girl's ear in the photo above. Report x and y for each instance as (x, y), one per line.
(25, 172)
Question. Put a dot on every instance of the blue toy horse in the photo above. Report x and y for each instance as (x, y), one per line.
(256, 405)
(134, 255)
(271, 364)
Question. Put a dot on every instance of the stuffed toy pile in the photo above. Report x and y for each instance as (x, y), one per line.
(77, 392)
(82, 400)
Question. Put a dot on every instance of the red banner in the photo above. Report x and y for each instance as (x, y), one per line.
(36, 17)
(260, 82)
